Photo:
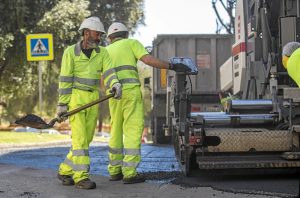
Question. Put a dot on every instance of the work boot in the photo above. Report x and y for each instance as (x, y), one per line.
(66, 180)
(116, 177)
(85, 184)
(133, 180)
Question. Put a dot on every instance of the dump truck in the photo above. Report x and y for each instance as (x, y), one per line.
(258, 126)
(210, 51)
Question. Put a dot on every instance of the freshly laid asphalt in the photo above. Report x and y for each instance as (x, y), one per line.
(31, 173)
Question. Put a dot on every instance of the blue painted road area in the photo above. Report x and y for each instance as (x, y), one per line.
(155, 158)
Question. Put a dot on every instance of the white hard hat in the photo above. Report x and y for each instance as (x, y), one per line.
(116, 27)
(92, 23)
(289, 48)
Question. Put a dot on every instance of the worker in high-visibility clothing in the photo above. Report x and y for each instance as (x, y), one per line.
(81, 66)
(127, 114)
(291, 60)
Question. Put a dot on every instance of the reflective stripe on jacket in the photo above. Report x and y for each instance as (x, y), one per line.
(81, 72)
(124, 54)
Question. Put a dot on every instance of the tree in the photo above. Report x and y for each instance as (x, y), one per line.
(129, 12)
(62, 18)
(5, 42)
(18, 18)
(219, 7)
(17, 76)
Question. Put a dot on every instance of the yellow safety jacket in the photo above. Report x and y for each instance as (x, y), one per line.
(293, 66)
(80, 72)
(124, 54)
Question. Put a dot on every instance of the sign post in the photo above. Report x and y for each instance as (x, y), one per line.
(39, 47)
(40, 72)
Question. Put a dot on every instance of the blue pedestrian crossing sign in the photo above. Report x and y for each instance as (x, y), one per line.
(39, 47)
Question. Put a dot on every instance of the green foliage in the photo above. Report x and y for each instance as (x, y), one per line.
(129, 12)
(20, 97)
(18, 78)
(62, 18)
(5, 42)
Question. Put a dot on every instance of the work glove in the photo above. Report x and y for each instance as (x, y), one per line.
(60, 111)
(117, 89)
(179, 67)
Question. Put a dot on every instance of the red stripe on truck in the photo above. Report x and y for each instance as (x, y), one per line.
(241, 47)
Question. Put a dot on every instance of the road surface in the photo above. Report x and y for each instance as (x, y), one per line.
(32, 173)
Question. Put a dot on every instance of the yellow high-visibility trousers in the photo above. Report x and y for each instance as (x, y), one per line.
(83, 124)
(127, 124)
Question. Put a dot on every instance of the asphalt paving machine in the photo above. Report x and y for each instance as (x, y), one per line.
(259, 126)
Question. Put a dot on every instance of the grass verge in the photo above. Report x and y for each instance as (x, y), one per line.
(32, 138)
(28, 137)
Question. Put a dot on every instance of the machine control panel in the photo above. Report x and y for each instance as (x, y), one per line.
(186, 63)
